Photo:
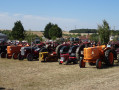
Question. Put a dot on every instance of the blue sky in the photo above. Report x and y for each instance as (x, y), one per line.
(68, 14)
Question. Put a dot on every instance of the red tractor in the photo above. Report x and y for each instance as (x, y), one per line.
(68, 54)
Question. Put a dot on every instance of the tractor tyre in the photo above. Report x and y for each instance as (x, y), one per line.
(20, 57)
(30, 57)
(3, 55)
(8, 57)
(109, 57)
(98, 64)
(78, 52)
(15, 56)
(92, 64)
(82, 63)
(58, 50)
(75, 62)
(67, 62)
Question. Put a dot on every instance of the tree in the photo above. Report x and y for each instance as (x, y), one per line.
(18, 31)
(55, 31)
(46, 31)
(104, 32)
(94, 37)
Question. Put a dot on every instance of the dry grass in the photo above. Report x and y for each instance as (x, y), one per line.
(25, 75)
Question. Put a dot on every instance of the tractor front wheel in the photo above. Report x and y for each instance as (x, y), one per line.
(20, 57)
(81, 64)
(3, 55)
(98, 64)
(15, 56)
(30, 57)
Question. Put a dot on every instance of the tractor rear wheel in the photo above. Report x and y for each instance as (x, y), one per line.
(15, 55)
(3, 55)
(30, 57)
(79, 52)
(98, 64)
(58, 50)
(20, 57)
(109, 57)
(82, 63)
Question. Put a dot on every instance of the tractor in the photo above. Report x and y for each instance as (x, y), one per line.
(13, 51)
(30, 52)
(96, 55)
(68, 54)
(48, 54)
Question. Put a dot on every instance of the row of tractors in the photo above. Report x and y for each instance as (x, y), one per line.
(65, 53)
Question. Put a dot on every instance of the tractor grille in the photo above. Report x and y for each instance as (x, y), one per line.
(22, 51)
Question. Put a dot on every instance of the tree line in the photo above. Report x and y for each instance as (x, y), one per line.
(83, 31)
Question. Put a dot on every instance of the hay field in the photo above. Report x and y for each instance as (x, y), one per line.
(34, 75)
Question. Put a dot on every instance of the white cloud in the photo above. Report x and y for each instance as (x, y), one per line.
(34, 22)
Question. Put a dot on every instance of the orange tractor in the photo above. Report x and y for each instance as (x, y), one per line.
(13, 51)
(96, 55)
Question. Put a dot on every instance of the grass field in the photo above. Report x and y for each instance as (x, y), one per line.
(34, 75)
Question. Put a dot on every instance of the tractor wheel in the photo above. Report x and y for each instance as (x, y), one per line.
(15, 55)
(20, 57)
(98, 64)
(30, 57)
(67, 62)
(8, 57)
(75, 62)
(3, 55)
(92, 64)
(109, 57)
(58, 50)
(82, 63)
(79, 51)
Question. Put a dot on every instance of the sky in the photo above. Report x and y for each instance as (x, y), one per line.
(68, 14)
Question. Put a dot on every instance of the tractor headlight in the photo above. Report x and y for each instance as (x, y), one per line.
(10, 49)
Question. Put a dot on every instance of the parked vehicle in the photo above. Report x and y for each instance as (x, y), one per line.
(13, 51)
(68, 54)
(96, 55)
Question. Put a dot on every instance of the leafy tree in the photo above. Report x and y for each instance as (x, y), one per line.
(104, 32)
(18, 31)
(46, 31)
(55, 31)
(94, 37)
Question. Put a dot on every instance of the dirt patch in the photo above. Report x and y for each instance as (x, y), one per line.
(25, 75)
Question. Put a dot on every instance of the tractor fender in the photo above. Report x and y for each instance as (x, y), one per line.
(78, 51)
